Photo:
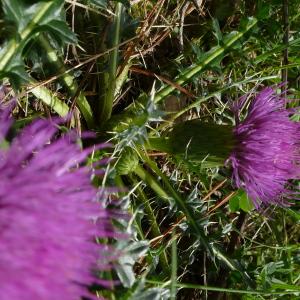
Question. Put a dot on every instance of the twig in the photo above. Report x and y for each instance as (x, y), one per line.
(164, 79)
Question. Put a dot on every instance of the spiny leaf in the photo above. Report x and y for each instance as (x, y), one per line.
(134, 251)
(30, 19)
(60, 30)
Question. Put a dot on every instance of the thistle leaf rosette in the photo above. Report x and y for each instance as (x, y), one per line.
(266, 155)
(50, 216)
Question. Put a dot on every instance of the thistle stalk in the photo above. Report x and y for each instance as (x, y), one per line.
(106, 103)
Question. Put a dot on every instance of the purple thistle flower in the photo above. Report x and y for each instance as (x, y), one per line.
(266, 153)
(50, 215)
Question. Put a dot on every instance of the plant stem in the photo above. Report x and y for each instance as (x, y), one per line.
(150, 214)
(284, 288)
(49, 99)
(155, 230)
(107, 102)
(190, 216)
(181, 204)
(69, 82)
(174, 268)
(150, 180)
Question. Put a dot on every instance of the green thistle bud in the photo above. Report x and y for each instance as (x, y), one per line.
(205, 143)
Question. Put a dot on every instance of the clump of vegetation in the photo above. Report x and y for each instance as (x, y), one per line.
(157, 79)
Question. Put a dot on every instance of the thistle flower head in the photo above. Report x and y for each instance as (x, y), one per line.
(266, 153)
(50, 215)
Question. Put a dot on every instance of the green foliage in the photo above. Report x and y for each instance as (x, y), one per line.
(207, 58)
(132, 253)
(101, 3)
(240, 201)
(29, 20)
(124, 74)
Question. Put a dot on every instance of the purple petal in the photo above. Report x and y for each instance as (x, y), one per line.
(266, 154)
(50, 215)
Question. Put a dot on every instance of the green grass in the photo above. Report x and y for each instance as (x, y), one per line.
(187, 241)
